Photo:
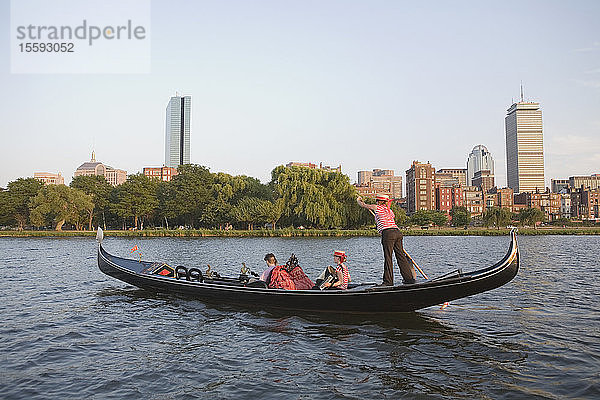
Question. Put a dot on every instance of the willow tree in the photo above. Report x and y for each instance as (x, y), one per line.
(496, 216)
(531, 216)
(314, 197)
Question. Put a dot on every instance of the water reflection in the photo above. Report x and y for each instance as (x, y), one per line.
(399, 353)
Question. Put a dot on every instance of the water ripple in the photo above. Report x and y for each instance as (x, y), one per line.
(70, 332)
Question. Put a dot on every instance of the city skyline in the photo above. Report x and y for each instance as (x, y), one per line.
(277, 82)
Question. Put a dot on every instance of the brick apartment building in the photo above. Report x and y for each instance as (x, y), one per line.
(546, 201)
(420, 187)
(164, 174)
(379, 181)
(585, 204)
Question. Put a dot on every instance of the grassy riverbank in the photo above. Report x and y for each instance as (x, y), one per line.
(290, 232)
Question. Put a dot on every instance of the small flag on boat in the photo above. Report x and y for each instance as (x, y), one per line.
(446, 304)
(134, 248)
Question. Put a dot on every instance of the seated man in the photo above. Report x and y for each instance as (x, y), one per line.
(271, 264)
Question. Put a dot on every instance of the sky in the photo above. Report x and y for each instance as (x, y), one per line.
(361, 84)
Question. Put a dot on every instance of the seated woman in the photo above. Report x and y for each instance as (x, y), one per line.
(290, 276)
(271, 264)
(343, 275)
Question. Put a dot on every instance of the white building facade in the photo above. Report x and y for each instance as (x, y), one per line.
(480, 159)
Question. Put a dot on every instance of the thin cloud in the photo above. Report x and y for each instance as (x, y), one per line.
(574, 145)
(594, 83)
(595, 46)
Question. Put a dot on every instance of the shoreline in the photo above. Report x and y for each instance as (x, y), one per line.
(289, 232)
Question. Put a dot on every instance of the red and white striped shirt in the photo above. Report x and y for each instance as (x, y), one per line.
(384, 218)
(345, 274)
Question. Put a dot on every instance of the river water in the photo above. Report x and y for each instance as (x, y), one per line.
(70, 332)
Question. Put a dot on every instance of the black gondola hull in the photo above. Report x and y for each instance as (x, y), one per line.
(360, 299)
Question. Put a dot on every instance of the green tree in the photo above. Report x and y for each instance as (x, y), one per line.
(216, 213)
(530, 216)
(314, 197)
(271, 211)
(82, 208)
(99, 189)
(20, 193)
(6, 213)
(248, 212)
(421, 217)
(60, 204)
(401, 218)
(229, 202)
(137, 198)
(498, 217)
(460, 216)
(426, 217)
(187, 197)
(439, 218)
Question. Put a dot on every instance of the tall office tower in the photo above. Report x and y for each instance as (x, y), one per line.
(480, 159)
(524, 147)
(420, 187)
(177, 131)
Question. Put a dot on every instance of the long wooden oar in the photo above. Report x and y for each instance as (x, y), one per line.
(407, 255)
(415, 264)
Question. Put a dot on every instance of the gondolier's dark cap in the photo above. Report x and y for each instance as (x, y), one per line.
(269, 256)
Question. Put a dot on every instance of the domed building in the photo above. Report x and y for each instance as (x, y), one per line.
(112, 175)
(480, 159)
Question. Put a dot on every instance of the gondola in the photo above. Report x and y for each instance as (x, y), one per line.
(358, 298)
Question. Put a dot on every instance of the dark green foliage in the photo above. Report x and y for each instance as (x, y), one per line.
(7, 217)
(426, 217)
(530, 216)
(461, 216)
(136, 199)
(60, 204)
(498, 217)
(186, 198)
(99, 189)
(20, 193)
(315, 198)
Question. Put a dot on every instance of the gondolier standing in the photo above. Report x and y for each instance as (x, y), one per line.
(391, 240)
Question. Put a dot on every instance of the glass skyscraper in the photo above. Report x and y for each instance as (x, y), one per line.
(480, 159)
(177, 131)
(524, 147)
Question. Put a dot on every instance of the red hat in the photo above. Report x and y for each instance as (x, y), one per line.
(382, 197)
(340, 254)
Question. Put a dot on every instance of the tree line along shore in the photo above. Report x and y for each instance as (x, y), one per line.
(291, 232)
(197, 202)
